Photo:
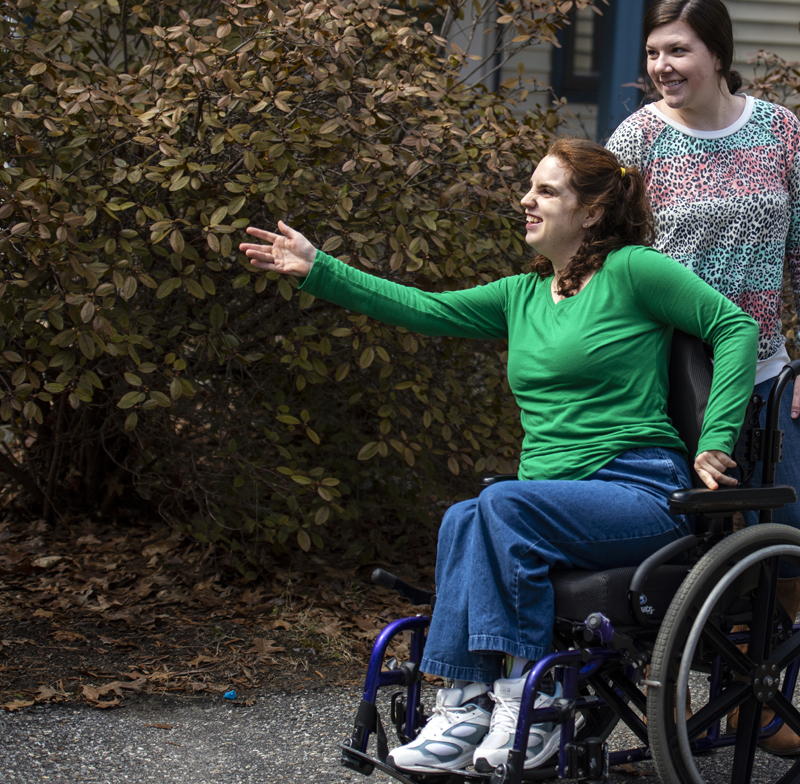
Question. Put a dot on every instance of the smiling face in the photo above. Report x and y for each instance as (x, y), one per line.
(683, 69)
(554, 221)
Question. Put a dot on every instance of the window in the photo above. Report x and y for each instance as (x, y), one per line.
(576, 65)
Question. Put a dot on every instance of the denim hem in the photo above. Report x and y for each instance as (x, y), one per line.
(470, 674)
(482, 642)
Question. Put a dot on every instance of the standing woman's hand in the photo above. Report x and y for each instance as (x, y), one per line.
(290, 254)
(796, 400)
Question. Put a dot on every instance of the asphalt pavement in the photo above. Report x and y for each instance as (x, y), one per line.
(283, 737)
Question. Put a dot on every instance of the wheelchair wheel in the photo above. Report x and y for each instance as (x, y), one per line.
(733, 584)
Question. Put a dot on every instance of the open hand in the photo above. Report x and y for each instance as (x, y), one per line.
(290, 254)
(710, 467)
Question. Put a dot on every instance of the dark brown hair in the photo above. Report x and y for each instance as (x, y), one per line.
(711, 22)
(596, 177)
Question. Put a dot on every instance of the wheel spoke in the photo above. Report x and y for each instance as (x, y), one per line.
(758, 649)
(720, 706)
(786, 711)
(758, 646)
(746, 740)
(787, 652)
(736, 659)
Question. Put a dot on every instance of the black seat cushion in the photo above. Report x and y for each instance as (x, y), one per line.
(578, 594)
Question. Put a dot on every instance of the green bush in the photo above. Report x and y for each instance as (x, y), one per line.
(145, 365)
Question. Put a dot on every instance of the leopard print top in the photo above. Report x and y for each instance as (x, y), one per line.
(726, 203)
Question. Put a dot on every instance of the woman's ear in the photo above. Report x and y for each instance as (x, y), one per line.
(593, 216)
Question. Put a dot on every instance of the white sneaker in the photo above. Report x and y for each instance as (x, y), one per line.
(543, 740)
(458, 724)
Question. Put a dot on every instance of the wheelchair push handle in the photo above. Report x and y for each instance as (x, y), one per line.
(772, 450)
(789, 373)
(417, 596)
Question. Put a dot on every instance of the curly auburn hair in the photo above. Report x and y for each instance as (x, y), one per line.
(596, 177)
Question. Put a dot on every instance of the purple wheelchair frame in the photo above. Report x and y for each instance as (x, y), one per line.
(573, 668)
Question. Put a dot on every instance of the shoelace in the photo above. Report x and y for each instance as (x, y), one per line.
(504, 717)
(444, 713)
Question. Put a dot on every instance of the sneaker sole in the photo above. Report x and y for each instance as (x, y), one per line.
(449, 768)
(549, 750)
(482, 765)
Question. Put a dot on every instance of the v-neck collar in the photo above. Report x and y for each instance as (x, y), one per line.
(555, 304)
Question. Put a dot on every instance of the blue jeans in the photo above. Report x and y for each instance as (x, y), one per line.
(494, 595)
(788, 470)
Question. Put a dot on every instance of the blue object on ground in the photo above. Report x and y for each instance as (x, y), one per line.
(229, 695)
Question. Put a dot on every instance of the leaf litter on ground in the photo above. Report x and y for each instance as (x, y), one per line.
(99, 612)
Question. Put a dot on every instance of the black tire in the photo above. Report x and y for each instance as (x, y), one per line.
(753, 586)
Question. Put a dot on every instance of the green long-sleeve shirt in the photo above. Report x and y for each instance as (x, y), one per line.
(590, 372)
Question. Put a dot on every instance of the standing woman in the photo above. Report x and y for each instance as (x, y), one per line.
(722, 170)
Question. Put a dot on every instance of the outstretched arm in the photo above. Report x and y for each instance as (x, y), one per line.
(290, 254)
(478, 312)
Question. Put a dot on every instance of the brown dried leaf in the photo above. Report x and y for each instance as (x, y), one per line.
(46, 561)
(17, 704)
(201, 659)
(63, 635)
(44, 693)
(265, 647)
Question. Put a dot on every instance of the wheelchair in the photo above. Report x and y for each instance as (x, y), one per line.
(627, 641)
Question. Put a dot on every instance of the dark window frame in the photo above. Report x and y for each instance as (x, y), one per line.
(567, 84)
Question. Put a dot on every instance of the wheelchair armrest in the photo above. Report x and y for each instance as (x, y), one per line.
(491, 480)
(731, 499)
(416, 596)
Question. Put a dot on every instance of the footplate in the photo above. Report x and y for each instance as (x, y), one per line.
(360, 761)
(357, 760)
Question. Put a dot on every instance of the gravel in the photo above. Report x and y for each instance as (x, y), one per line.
(283, 737)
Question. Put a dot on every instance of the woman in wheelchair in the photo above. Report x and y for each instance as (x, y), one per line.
(589, 331)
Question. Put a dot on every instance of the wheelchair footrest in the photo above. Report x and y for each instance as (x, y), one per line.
(356, 760)
(363, 763)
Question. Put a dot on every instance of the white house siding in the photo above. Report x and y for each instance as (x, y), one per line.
(765, 24)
